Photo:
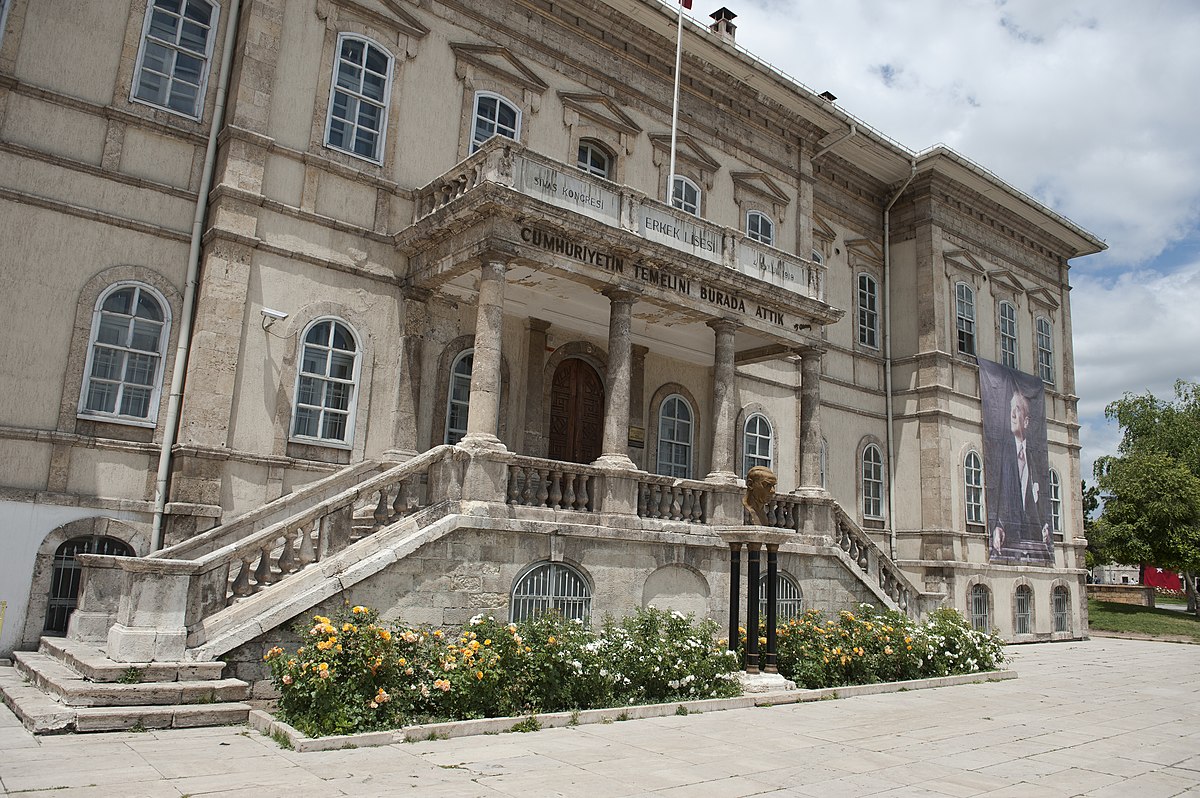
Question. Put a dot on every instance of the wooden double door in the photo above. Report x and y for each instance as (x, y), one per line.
(576, 412)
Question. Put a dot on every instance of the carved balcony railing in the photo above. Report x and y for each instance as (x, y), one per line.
(508, 164)
(674, 499)
(534, 482)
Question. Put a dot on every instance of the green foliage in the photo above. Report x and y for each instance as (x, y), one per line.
(131, 675)
(869, 646)
(1110, 616)
(1152, 511)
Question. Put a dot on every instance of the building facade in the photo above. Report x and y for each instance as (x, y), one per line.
(258, 253)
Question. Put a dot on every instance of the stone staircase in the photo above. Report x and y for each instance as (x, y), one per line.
(68, 686)
(144, 646)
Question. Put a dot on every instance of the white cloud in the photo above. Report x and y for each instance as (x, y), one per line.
(1088, 105)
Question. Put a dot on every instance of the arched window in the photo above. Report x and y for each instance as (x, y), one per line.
(981, 599)
(818, 258)
(595, 159)
(868, 311)
(64, 579)
(789, 602)
(1055, 501)
(756, 443)
(1061, 601)
(675, 437)
(1045, 349)
(872, 482)
(1008, 335)
(174, 56)
(358, 101)
(973, 479)
(685, 195)
(326, 385)
(494, 116)
(1024, 610)
(759, 227)
(550, 587)
(123, 375)
(965, 317)
(459, 397)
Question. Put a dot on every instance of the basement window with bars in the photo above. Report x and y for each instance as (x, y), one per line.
(551, 587)
(64, 577)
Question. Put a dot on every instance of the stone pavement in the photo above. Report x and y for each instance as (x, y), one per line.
(1104, 717)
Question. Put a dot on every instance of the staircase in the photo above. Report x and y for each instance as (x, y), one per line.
(144, 644)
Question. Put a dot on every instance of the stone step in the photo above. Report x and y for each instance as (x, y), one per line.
(67, 686)
(90, 662)
(41, 714)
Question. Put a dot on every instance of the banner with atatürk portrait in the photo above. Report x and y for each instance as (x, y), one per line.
(1016, 471)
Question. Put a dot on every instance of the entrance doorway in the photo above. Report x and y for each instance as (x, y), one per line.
(576, 412)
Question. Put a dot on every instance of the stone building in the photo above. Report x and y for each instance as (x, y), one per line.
(401, 289)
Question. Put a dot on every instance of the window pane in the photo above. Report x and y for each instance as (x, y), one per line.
(194, 37)
(349, 77)
(306, 422)
(341, 365)
(102, 396)
(120, 301)
(107, 364)
(163, 25)
(377, 61)
(145, 336)
(307, 393)
(139, 369)
(200, 12)
(183, 97)
(334, 428)
(147, 308)
(314, 361)
(135, 402)
(337, 395)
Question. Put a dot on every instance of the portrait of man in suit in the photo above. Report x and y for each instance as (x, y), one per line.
(1016, 470)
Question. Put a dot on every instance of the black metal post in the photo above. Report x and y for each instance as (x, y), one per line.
(772, 610)
(752, 609)
(735, 589)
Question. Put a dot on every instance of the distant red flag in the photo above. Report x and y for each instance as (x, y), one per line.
(686, 4)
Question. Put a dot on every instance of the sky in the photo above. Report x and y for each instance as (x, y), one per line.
(1092, 107)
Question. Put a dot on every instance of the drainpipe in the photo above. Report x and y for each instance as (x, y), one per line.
(851, 133)
(171, 426)
(887, 355)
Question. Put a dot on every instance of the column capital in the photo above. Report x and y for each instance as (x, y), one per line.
(537, 325)
(722, 324)
(616, 294)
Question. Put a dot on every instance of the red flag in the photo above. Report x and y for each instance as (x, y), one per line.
(686, 4)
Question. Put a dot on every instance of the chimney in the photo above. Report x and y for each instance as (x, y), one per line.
(723, 26)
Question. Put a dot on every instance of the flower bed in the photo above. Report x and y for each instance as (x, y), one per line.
(868, 646)
(354, 674)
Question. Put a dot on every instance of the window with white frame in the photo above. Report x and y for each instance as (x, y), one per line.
(1061, 604)
(4, 6)
(981, 599)
(550, 587)
(458, 397)
(760, 228)
(175, 53)
(965, 317)
(124, 370)
(868, 311)
(973, 479)
(1045, 349)
(818, 258)
(685, 195)
(358, 102)
(756, 443)
(1008, 335)
(326, 386)
(595, 159)
(494, 116)
(675, 430)
(789, 602)
(1055, 501)
(872, 482)
(1024, 610)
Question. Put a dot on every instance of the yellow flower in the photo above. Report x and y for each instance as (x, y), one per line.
(385, 634)
(550, 640)
(478, 674)
(359, 610)
(402, 662)
(487, 642)
(438, 633)
(320, 619)
(349, 627)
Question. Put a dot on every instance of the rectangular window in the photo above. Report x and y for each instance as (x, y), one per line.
(1008, 335)
(868, 311)
(965, 318)
(1045, 350)
(359, 100)
(1062, 616)
(176, 48)
(1024, 610)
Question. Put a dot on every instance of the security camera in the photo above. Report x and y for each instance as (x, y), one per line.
(273, 315)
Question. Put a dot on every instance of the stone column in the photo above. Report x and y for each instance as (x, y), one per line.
(637, 408)
(772, 612)
(534, 443)
(725, 402)
(810, 419)
(410, 365)
(484, 417)
(615, 452)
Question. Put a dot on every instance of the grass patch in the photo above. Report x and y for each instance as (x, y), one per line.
(282, 740)
(1109, 616)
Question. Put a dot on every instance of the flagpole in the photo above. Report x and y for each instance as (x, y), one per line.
(675, 104)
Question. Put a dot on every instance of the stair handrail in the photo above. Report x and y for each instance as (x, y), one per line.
(878, 565)
(261, 517)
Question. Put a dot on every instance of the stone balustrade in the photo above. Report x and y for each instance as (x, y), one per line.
(875, 564)
(675, 499)
(534, 482)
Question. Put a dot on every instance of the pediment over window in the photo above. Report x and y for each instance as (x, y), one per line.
(498, 64)
(601, 112)
(1044, 297)
(386, 15)
(964, 263)
(822, 230)
(1006, 280)
(687, 151)
(865, 250)
(761, 187)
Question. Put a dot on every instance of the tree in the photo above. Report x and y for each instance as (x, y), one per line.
(1096, 554)
(1151, 488)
